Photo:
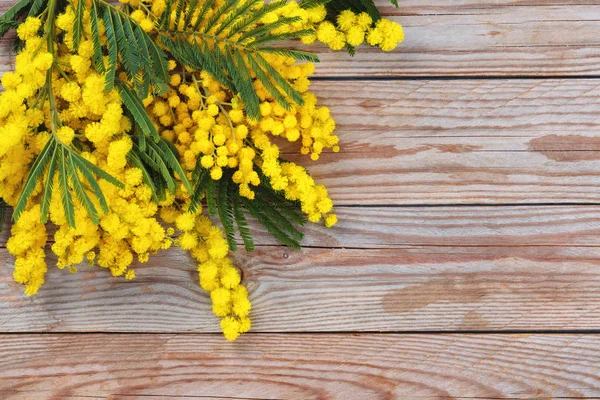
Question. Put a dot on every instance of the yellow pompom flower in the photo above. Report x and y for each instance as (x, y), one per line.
(147, 25)
(364, 20)
(231, 328)
(355, 36)
(338, 42)
(326, 32)
(29, 28)
(65, 134)
(346, 20)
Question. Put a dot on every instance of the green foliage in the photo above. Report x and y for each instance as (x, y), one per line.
(358, 6)
(159, 164)
(308, 4)
(280, 216)
(136, 109)
(10, 19)
(65, 163)
(127, 45)
(36, 7)
(78, 25)
(230, 61)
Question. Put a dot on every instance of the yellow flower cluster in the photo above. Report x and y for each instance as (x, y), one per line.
(354, 29)
(133, 227)
(27, 241)
(207, 122)
(59, 96)
(19, 142)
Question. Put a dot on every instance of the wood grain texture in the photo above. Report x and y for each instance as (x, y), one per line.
(465, 205)
(471, 37)
(462, 142)
(409, 288)
(352, 367)
(387, 269)
(481, 38)
(391, 227)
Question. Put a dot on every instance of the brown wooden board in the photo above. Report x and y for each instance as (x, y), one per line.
(408, 288)
(345, 367)
(466, 264)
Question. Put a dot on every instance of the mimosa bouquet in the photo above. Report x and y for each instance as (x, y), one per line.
(152, 123)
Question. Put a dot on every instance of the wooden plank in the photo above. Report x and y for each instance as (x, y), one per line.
(471, 37)
(462, 142)
(409, 288)
(482, 38)
(391, 227)
(361, 367)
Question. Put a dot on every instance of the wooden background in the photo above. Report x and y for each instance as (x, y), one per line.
(466, 264)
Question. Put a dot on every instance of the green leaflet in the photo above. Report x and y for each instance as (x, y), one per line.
(9, 19)
(81, 194)
(280, 216)
(63, 163)
(63, 184)
(159, 164)
(232, 62)
(136, 108)
(127, 45)
(35, 174)
(78, 25)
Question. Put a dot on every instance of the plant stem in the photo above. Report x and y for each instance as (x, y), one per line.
(49, 34)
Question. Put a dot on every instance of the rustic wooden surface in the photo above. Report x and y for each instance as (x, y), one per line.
(466, 264)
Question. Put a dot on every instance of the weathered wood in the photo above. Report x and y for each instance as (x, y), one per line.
(391, 227)
(409, 288)
(361, 367)
(485, 37)
(450, 142)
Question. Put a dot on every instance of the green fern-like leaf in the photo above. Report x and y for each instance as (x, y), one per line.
(49, 186)
(280, 216)
(10, 19)
(210, 45)
(80, 192)
(63, 184)
(64, 162)
(159, 165)
(92, 182)
(267, 220)
(225, 208)
(169, 154)
(308, 4)
(78, 24)
(35, 174)
(113, 49)
(211, 202)
(129, 47)
(95, 28)
(134, 105)
(241, 222)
